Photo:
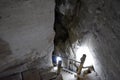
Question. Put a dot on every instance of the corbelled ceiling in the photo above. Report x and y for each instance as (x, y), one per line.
(27, 29)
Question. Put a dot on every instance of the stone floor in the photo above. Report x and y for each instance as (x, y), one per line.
(48, 75)
(34, 74)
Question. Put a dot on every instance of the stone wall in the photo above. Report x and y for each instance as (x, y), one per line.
(26, 34)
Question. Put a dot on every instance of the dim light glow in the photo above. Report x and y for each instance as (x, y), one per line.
(58, 59)
(84, 50)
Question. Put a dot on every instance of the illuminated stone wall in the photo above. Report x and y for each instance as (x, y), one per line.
(95, 23)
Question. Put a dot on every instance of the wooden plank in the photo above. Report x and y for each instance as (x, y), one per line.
(12, 77)
(31, 75)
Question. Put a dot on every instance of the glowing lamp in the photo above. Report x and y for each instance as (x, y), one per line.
(58, 59)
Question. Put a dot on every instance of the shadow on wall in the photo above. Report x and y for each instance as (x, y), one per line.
(4, 49)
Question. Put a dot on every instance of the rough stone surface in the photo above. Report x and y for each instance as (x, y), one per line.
(26, 34)
(95, 23)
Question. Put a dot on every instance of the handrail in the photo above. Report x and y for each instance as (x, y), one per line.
(67, 58)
